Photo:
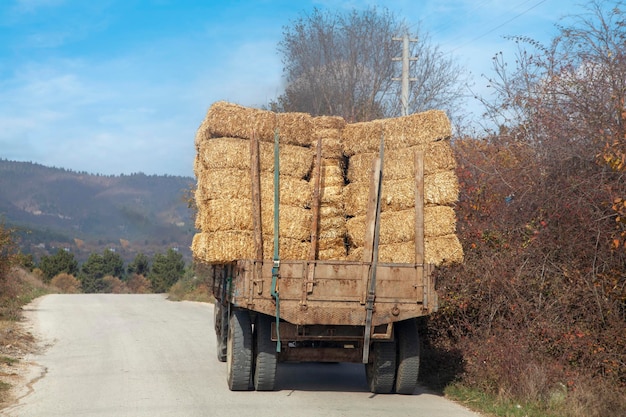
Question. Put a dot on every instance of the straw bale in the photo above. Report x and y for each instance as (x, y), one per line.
(331, 249)
(295, 128)
(203, 133)
(441, 250)
(332, 196)
(237, 184)
(222, 215)
(328, 122)
(228, 246)
(418, 128)
(331, 176)
(331, 243)
(198, 168)
(331, 142)
(221, 153)
(232, 120)
(439, 189)
(399, 226)
(222, 247)
(361, 137)
(331, 212)
(332, 227)
(399, 132)
(333, 254)
(400, 163)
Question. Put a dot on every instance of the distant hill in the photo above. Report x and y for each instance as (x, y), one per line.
(55, 208)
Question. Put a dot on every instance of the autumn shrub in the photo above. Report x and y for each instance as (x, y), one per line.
(66, 283)
(539, 301)
(138, 284)
(114, 285)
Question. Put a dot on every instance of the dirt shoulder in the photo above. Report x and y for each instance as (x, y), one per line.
(18, 344)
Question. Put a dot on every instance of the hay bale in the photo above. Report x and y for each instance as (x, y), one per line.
(328, 122)
(400, 163)
(223, 153)
(399, 133)
(361, 137)
(399, 226)
(331, 196)
(229, 246)
(295, 128)
(331, 175)
(328, 129)
(441, 250)
(331, 249)
(418, 128)
(333, 254)
(237, 184)
(224, 215)
(332, 227)
(203, 133)
(440, 188)
(232, 120)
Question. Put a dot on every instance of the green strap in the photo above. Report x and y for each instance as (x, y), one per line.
(276, 265)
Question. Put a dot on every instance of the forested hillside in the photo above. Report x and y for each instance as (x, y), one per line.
(53, 207)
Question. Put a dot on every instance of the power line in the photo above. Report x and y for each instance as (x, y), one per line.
(497, 27)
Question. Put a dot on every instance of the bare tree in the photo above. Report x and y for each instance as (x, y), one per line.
(341, 64)
(575, 87)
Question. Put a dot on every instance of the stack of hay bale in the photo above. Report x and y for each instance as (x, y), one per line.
(224, 191)
(403, 136)
(332, 229)
(224, 183)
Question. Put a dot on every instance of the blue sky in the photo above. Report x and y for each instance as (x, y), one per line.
(120, 86)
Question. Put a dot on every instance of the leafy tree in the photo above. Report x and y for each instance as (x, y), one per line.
(92, 273)
(97, 267)
(166, 270)
(140, 265)
(114, 264)
(61, 262)
(341, 63)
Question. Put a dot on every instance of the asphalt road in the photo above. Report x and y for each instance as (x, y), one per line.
(141, 355)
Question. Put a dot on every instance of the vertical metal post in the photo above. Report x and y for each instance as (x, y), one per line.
(276, 265)
(404, 96)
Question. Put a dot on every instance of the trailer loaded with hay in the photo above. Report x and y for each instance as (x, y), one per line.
(320, 238)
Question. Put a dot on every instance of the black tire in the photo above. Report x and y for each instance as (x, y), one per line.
(220, 319)
(381, 369)
(239, 355)
(408, 356)
(265, 362)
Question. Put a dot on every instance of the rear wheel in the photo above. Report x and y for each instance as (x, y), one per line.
(239, 352)
(265, 363)
(381, 369)
(408, 356)
(220, 319)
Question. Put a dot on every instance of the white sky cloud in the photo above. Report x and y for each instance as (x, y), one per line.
(119, 87)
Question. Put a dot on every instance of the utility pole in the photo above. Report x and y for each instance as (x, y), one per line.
(405, 71)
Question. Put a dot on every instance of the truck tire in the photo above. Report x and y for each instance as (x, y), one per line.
(220, 320)
(265, 362)
(239, 352)
(381, 369)
(408, 356)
